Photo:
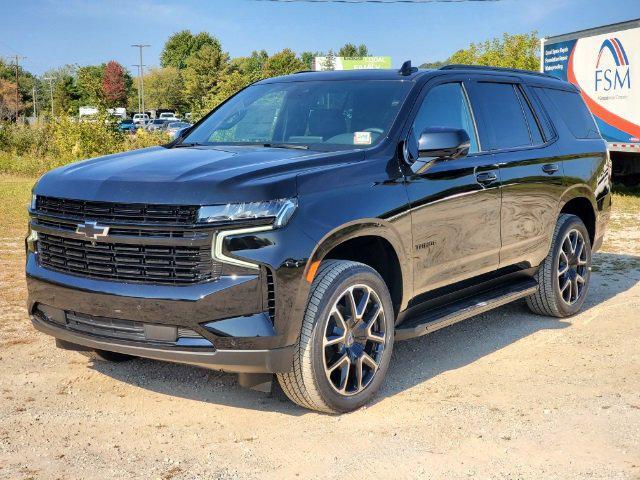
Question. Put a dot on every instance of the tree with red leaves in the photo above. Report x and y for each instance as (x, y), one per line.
(114, 84)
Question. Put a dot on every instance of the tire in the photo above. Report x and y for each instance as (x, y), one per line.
(330, 372)
(554, 297)
(114, 357)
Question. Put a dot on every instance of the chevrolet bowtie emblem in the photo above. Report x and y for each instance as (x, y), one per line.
(92, 230)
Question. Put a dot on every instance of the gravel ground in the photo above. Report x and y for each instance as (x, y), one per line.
(505, 395)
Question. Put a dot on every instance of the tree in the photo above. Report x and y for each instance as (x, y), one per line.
(252, 66)
(26, 82)
(7, 99)
(434, 65)
(282, 63)
(164, 88)
(89, 85)
(229, 85)
(350, 50)
(202, 73)
(114, 85)
(330, 61)
(511, 51)
(308, 58)
(66, 99)
(181, 45)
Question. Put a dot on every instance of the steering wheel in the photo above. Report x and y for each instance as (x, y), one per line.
(374, 130)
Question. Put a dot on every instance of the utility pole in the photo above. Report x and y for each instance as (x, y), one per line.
(35, 112)
(50, 80)
(140, 46)
(139, 80)
(17, 65)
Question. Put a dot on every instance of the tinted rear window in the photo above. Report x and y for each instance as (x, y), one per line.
(534, 129)
(504, 119)
(573, 111)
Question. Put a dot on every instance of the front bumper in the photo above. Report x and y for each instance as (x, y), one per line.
(236, 334)
(236, 361)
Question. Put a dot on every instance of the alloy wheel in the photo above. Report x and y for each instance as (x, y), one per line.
(354, 339)
(573, 267)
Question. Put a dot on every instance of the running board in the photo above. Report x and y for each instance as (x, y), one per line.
(461, 310)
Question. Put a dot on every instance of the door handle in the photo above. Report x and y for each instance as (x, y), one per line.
(486, 177)
(550, 168)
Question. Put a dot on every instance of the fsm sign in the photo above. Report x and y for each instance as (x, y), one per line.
(612, 66)
(605, 67)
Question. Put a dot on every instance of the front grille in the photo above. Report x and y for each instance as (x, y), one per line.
(117, 212)
(106, 327)
(180, 232)
(128, 262)
(118, 328)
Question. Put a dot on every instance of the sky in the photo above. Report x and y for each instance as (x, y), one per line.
(52, 33)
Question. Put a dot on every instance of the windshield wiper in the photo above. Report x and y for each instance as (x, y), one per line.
(191, 144)
(295, 146)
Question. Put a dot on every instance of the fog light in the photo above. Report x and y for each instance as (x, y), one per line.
(31, 240)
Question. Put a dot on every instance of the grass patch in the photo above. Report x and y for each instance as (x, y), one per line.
(15, 195)
(626, 202)
(27, 166)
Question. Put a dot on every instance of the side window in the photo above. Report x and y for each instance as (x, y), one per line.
(505, 121)
(534, 128)
(573, 111)
(534, 95)
(446, 106)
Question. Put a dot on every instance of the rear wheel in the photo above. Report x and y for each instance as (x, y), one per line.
(563, 277)
(346, 340)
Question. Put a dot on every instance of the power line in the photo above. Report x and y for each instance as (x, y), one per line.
(376, 1)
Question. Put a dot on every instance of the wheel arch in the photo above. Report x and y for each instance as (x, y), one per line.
(581, 202)
(374, 243)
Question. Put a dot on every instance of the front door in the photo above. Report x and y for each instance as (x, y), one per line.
(455, 203)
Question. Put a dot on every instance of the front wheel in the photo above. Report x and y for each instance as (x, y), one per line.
(563, 276)
(345, 342)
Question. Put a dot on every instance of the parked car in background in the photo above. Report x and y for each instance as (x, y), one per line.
(175, 128)
(140, 118)
(127, 125)
(169, 116)
(156, 125)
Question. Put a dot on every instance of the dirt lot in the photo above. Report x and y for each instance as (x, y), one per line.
(504, 395)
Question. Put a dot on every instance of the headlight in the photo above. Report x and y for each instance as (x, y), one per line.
(280, 210)
(33, 201)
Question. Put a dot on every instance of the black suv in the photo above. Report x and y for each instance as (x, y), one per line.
(313, 219)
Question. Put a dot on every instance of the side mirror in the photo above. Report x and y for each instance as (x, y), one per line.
(443, 143)
(435, 143)
(181, 133)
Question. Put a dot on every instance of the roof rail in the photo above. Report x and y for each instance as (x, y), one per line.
(456, 66)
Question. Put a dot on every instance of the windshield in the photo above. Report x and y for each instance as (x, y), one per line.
(341, 114)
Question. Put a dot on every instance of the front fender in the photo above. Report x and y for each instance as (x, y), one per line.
(368, 227)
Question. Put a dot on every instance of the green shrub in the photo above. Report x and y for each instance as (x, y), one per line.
(33, 150)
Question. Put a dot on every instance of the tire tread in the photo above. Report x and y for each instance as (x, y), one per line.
(299, 384)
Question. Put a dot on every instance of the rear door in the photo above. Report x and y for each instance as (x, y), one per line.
(519, 136)
(455, 203)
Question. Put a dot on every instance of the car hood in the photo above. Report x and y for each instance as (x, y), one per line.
(187, 175)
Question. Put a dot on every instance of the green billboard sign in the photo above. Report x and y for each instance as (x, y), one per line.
(351, 63)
